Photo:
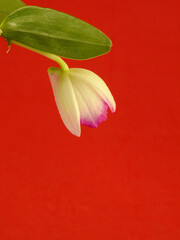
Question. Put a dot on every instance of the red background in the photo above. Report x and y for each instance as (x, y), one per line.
(119, 181)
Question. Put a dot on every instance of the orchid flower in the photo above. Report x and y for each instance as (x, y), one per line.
(81, 97)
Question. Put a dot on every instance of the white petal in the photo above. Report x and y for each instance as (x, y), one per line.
(95, 82)
(65, 100)
(93, 109)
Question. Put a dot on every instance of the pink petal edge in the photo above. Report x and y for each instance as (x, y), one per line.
(100, 118)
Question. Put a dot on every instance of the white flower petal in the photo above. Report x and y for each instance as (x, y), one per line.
(65, 100)
(95, 82)
(93, 109)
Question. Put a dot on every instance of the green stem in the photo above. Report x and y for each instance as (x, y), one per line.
(51, 56)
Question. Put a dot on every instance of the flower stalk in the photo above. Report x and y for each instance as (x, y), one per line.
(60, 61)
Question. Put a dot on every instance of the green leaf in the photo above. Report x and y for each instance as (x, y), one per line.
(9, 6)
(55, 32)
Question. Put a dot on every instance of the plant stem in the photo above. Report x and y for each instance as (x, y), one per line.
(51, 56)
